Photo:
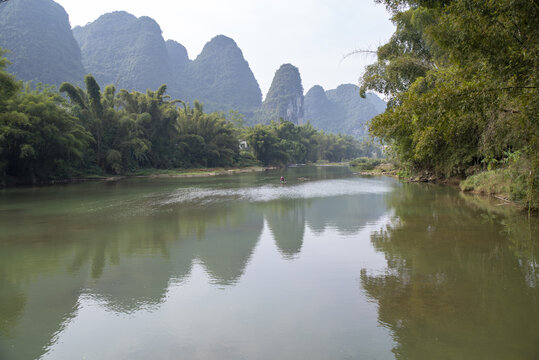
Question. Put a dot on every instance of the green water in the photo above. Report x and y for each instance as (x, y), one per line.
(241, 267)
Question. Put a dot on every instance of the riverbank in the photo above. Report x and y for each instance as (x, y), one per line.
(149, 173)
(202, 172)
(501, 184)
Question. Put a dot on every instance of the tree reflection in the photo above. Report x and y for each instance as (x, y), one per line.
(454, 287)
(123, 246)
(125, 263)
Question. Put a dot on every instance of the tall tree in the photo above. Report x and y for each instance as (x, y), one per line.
(463, 82)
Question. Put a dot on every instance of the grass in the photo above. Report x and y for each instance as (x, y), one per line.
(364, 163)
(494, 182)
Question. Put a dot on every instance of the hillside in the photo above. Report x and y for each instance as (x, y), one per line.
(220, 77)
(121, 49)
(341, 110)
(131, 53)
(42, 48)
(284, 98)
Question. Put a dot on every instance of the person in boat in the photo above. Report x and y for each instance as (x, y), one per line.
(283, 180)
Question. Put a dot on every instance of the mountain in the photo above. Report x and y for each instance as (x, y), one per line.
(179, 64)
(220, 78)
(121, 49)
(284, 98)
(321, 112)
(341, 110)
(42, 48)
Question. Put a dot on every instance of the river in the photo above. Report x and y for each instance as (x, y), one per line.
(330, 265)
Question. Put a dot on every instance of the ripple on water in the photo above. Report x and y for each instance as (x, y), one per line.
(314, 189)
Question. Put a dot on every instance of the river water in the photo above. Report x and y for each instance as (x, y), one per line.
(328, 266)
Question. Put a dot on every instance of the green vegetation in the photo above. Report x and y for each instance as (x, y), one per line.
(462, 82)
(283, 142)
(45, 136)
(39, 139)
(509, 181)
(129, 52)
(365, 163)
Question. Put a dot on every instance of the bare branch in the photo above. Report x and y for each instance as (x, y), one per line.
(356, 52)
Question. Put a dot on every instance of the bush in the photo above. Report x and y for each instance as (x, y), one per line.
(246, 158)
(364, 163)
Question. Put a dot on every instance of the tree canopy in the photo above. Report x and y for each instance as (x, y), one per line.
(462, 82)
(48, 134)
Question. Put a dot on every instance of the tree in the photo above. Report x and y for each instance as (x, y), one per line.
(265, 145)
(206, 139)
(90, 110)
(39, 139)
(463, 85)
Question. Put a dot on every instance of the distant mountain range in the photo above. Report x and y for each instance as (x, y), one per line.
(129, 52)
(342, 109)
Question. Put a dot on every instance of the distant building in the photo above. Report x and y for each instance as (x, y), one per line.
(243, 145)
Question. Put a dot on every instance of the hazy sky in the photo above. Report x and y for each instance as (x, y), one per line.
(310, 34)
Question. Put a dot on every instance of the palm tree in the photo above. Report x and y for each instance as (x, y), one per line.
(91, 108)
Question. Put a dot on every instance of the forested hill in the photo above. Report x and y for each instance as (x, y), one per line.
(121, 49)
(42, 48)
(130, 52)
(221, 78)
(342, 110)
(284, 98)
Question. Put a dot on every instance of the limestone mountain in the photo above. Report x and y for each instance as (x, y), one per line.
(42, 48)
(284, 98)
(221, 78)
(121, 49)
(179, 64)
(342, 110)
(320, 111)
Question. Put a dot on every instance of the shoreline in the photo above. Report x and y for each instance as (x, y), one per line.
(456, 182)
(150, 173)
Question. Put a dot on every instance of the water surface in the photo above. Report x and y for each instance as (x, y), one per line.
(241, 267)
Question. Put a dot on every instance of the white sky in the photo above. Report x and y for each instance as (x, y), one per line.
(310, 34)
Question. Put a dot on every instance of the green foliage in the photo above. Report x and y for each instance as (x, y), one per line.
(470, 95)
(247, 158)
(39, 139)
(283, 142)
(364, 163)
(45, 137)
(206, 139)
(265, 145)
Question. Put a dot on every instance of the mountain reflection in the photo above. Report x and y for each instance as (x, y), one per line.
(455, 287)
(122, 245)
(287, 219)
(125, 263)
